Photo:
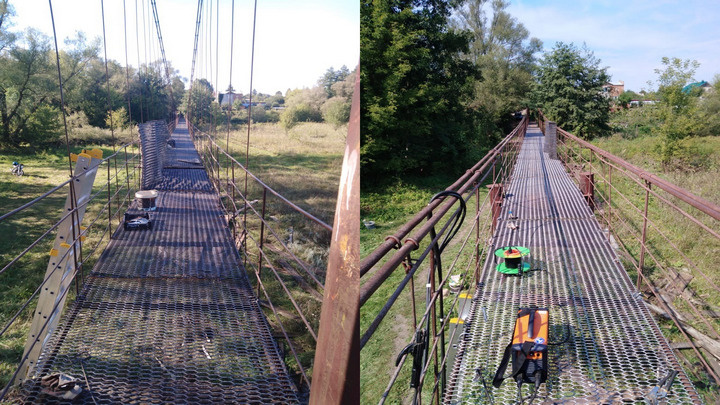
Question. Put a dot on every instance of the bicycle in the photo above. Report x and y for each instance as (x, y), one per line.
(17, 169)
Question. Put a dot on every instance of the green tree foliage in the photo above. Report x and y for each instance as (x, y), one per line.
(504, 53)
(26, 84)
(336, 111)
(624, 99)
(415, 89)
(201, 100)
(331, 77)
(29, 94)
(678, 110)
(302, 105)
(117, 119)
(300, 112)
(569, 91)
(710, 109)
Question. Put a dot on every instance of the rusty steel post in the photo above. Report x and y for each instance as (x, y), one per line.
(262, 234)
(477, 234)
(496, 196)
(609, 193)
(234, 228)
(109, 203)
(433, 316)
(641, 262)
(587, 185)
(336, 370)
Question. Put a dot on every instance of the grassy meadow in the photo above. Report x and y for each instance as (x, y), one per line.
(45, 168)
(695, 168)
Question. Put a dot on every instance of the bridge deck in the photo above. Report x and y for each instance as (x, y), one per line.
(167, 315)
(614, 350)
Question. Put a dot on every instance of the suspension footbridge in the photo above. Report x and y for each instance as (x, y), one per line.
(568, 208)
(168, 315)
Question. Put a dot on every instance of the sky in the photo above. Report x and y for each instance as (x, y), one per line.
(631, 36)
(295, 41)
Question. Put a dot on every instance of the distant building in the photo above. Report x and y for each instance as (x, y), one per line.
(613, 90)
(703, 85)
(226, 99)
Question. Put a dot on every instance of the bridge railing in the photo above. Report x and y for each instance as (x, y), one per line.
(282, 245)
(23, 257)
(404, 279)
(668, 239)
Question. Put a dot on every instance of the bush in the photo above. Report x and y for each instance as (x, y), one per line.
(43, 126)
(301, 112)
(336, 111)
(117, 119)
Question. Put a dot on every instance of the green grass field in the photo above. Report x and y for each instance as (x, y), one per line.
(45, 168)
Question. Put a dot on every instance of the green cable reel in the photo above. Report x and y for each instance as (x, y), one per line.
(512, 260)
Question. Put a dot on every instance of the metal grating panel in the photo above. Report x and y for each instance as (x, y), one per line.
(168, 316)
(614, 351)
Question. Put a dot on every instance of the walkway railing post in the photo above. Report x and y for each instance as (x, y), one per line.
(477, 233)
(496, 197)
(109, 205)
(641, 262)
(587, 185)
(234, 228)
(551, 140)
(609, 204)
(262, 232)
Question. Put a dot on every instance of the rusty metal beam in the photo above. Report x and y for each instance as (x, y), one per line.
(336, 372)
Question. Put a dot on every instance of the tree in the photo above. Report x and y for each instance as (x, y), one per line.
(710, 109)
(26, 84)
(331, 77)
(569, 91)
(201, 100)
(678, 110)
(504, 53)
(336, 111)
(626, 97)
(415, 89)
(117, 119)
(7, 38)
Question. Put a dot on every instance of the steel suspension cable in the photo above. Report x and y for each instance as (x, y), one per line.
(162, 50)
(73, 198)
(192, 69)
(139, 66)
(247, 142)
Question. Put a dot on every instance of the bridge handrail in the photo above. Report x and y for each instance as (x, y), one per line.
(693, 200)
(460, 186)
(56, 188)
(272, 191)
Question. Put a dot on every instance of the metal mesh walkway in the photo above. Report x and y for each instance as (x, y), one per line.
(614, 353)
(167, 315)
